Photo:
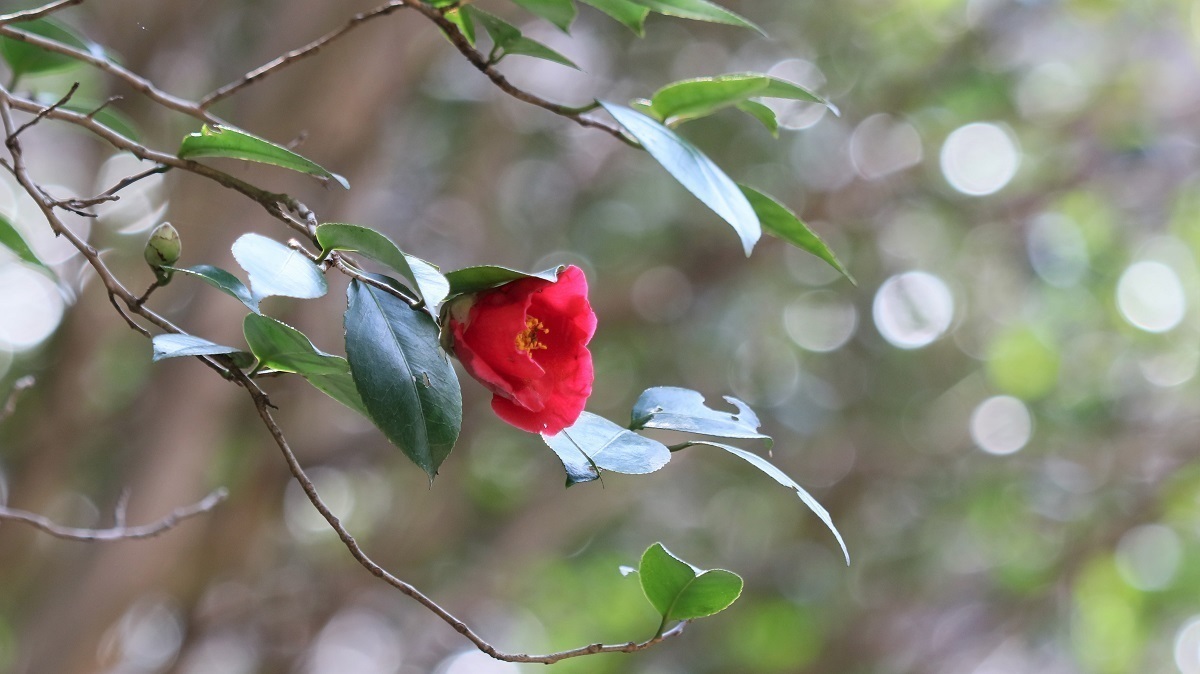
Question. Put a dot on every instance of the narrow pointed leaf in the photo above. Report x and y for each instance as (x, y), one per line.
(474, 279)
(524, 46)
(10, 238)
(781, 222)
(631, 14)
(228, 142)
(701, 96)
(608, 446)
(509, 40)
(558, 12)
(693, 170)
(275, 269)
(782, 478)
(698, 10)
(281, 347)
(405, 379)
(420, 274)
(765, 115)
(680, 409)
(178, 346)
(678, 591)
(223, 281)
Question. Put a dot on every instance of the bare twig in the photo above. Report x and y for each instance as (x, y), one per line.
(38, 12)
(42, 115)
(291, 57)
(264, 412)
(119, 532)
(19, 387)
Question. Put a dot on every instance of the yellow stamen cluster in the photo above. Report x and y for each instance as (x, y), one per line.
(527, 340)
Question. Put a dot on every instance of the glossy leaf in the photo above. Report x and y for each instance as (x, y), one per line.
(693, 170)
(178, 346)
(281, 347)
(275, 269)
(680, 409)
(234, 143)
(679, 591)
(778, 220)
(10, 238)
(558, 12)
(405, 379)
(223, 281)
(422, 275)
(701, 96)
(782, 478)
(631, 14)
(606, 446)
(474, 279)
(509, 40)
(698, 10)
(765, 115)
(24, 58)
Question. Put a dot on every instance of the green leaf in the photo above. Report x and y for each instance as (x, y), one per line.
(276, 269)
(26, 59)
(782, 478)
(474, 279)
(693, 170)
(509, 40)
(223, 281)
(340, 387)
(423, 275)
(765, 115)
(224, 141)
(631, 14)
(780, 221)
(406, 380)
(606, 446)
(699, 10)
(465, 24)
(558, 12)
(680, 409)
(679, 591)
(691, 99)
(177, 346)
(281, 347)
(10, 238)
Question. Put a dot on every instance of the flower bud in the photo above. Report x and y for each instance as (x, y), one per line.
(162, 250)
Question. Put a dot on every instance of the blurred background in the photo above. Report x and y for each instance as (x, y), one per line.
(1001, 416)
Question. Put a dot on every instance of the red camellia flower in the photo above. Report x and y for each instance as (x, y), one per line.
(526, 341)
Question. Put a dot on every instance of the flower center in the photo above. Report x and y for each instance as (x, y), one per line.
(527, 339)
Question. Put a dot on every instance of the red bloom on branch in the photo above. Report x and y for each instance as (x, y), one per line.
(526, 341)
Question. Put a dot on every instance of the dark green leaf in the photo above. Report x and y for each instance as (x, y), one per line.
(474, 279)
(223, 281)
(631, 14)
(693, 170)
(281, 347)
(10, 238)
(765, 115)
(26, 59)
(465, 24)
(782, 478)
(558, 12)
(680, 409)
(509, 40)
(276, 269)
(340, 387)
(699, 10)
(780, 221)
(424, 276)
(177, 346)
(237, 144)
(679, 591)
(405, 378)
(608, 446)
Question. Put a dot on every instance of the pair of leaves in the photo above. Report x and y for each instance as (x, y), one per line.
(680, 591)
(686, 100)
(507, 39)
(421, 275)
(745, 209)
(231, 143)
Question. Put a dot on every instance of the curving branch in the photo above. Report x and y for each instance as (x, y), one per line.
(118, 532)
(38, 12)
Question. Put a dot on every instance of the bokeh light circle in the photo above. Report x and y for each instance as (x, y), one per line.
(979, 159)
(30, 306)
(913, 309)
(1001, 425)
(820, 321)
(1150, 296)
(1148, 556)
(1187, 647)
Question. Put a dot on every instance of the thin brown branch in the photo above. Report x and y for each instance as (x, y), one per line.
(38, 12)
(119, 532)
(263, 406)
(42, 115)
(483, 65)
(275, 65)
